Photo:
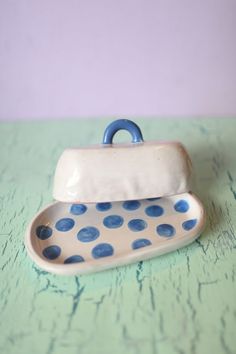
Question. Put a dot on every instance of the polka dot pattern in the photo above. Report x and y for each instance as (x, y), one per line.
(189, 224)
(88, 234)
(166, 230)
(154, 210)
(152, 199)
(147, 218)
(78, 209)
(103, 206)
(113, 221)
(131, 204)
(141, 242)
(137, 225)
(181, 206)
(74, 259)
(65, 224)
(52, 252)
(102, 250)
(43, 232)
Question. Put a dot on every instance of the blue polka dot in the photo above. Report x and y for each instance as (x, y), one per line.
(154, 210)
(151, 199)
(113, 221)
(52, 252)
(131, 204)
(88, 234)
(189, 224)
(78, 209)
(141, 242)
(165, 230)
(137, 225)
(181, 206)
(102, 250)
(74, 259)
(103, 206)
(65, 224)
(43, 232)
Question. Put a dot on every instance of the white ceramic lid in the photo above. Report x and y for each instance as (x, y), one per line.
(116, 172)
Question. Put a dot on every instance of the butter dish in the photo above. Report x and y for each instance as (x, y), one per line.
(116, 204)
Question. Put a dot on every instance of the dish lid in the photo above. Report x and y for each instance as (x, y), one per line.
(116, 172)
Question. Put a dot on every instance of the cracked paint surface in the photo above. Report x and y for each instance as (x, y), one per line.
(182, 302)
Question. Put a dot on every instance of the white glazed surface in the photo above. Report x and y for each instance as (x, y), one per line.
(103, 173)
(121, 238)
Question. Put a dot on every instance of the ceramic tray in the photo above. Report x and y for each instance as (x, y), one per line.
(80, 238)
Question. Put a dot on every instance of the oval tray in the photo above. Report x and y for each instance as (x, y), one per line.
(81, 238)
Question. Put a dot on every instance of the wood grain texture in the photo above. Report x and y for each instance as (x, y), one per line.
(183, 302)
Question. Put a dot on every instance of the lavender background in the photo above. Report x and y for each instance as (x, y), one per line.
(123, 58)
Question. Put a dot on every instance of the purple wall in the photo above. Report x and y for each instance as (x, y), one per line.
(121, 58)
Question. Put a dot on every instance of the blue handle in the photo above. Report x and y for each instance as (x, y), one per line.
(122, 124)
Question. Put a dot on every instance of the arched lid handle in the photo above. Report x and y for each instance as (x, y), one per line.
(122, 124)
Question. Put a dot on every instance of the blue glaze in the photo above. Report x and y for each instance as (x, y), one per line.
(113, 221)
(131, 204)
(122, 124)
(102, 250)
(141, 242)
(43, 232)
(137, 225)
(154, 210)
(189, 224)
(166, 230)
(103, 206)
(88, 234)
(181, 206)
(52, 252)
(151, 199)
(65, 224)
(74, 259)
(78, 209)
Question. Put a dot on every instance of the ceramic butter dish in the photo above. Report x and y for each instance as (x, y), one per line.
(116, 204)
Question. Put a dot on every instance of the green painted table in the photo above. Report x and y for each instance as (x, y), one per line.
(183, 302)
